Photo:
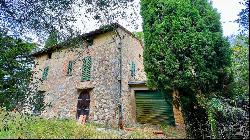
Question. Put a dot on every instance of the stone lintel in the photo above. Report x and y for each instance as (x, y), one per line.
(84, 85)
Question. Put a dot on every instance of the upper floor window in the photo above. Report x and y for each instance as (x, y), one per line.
(89, 43)
(132, 68)
(70, 68)
(45, 73)
(49, 55)
(86, 68)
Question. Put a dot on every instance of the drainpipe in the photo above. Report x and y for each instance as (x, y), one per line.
(120, 107)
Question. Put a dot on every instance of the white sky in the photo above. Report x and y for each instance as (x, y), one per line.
(229, 9)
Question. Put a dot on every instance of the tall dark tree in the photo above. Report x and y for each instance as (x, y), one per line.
(15, 72)
(185, 52)
(52, 40)
(184, 46)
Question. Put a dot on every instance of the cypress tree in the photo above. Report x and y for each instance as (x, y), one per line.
(184, 46)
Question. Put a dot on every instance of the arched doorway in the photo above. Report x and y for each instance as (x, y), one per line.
(83, 104)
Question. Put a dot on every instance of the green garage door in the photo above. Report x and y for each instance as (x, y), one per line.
(154, 107)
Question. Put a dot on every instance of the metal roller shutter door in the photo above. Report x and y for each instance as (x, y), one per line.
(154, 107)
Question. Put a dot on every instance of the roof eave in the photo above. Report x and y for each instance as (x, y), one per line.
(101, 30)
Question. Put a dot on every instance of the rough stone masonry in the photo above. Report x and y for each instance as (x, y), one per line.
(61, 90)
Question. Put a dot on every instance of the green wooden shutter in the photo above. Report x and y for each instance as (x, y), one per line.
(154, 107)
(45, 73)
(86, 69)
(70, 68)
(132, 68)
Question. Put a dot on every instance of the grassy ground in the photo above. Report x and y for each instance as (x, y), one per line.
(14, 125)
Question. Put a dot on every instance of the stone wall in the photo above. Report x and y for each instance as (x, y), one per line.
(106, 72)
(62, 90)
(132, 50)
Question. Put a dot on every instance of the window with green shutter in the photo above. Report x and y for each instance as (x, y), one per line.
(132, 68)
(45, 73)
(86, 68)
(89, 43)
(70, 68)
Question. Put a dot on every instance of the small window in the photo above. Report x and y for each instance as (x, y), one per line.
(70, 68)
(139, 55)
(45, 73)
(49, 55)
(89, 43)
(81, 44)
(39, 103)
(132, 68)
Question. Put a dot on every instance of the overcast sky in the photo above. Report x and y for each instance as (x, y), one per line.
(229, 9)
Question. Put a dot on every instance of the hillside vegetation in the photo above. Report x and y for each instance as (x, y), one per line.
(14, 125)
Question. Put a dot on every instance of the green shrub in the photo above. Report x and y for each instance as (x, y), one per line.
(228, 118)
(16, 125)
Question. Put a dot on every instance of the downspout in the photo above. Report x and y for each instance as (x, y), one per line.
(120, 107)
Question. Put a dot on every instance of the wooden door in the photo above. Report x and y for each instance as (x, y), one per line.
(83, 104)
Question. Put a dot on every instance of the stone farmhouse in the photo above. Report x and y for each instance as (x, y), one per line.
(101, 73)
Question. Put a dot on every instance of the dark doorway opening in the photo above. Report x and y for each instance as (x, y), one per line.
(83, 104)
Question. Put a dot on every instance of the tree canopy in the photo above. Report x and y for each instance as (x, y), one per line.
(184, 46)
(52, 40)
(41, 17)
(240, 66)
(243, 19)
(15, 71)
